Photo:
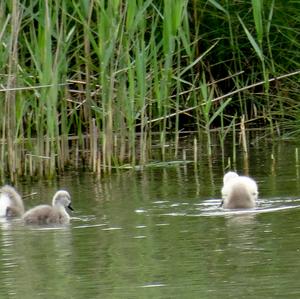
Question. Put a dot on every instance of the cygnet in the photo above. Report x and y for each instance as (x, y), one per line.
(11, 203)
(55, 214)
(238, 192)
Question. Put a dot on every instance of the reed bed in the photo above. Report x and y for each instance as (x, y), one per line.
(101, 83)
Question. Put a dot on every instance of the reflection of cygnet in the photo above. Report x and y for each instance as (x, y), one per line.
(238, 192)
(11, 203)
(55, 214)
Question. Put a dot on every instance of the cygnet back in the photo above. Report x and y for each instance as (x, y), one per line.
(238, 192)
(11, 203)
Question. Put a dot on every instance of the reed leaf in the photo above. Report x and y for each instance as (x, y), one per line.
(252, 41)
(95, 80)
(257, 6)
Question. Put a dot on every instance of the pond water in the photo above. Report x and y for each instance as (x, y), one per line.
(160, 233)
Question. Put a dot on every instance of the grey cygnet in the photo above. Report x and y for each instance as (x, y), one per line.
(55, 214)
(11, 203)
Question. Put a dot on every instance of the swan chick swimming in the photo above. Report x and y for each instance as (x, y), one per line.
(238, 192)
(11, 203)
(55, 214)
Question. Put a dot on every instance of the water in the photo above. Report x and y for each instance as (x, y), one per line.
(160, 233)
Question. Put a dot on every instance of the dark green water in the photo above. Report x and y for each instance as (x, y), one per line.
(159, 233)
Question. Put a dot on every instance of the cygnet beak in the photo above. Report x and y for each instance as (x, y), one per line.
(70, 207)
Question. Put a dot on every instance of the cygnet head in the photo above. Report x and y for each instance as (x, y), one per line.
(62, 198)
(228, 176)
(239, 192)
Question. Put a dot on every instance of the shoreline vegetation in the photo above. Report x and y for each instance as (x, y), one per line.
(97, 82)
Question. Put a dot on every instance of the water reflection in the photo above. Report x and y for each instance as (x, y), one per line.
(161, 233)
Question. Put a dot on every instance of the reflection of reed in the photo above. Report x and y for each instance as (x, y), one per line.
(9, 263)
(39, 262)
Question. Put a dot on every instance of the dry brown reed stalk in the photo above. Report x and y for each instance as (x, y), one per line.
(10, 96)
(184, 111)
(195, 146)
(132, 66)
(243, 136)
(94, 146)
(26, 88)
(234, 143)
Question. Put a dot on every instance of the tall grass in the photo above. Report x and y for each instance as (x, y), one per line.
(92, 82)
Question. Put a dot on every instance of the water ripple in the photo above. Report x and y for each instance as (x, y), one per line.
(153, 285)
(90, 225)
(212, 207)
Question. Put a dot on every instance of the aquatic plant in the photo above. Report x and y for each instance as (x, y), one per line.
(92, 82)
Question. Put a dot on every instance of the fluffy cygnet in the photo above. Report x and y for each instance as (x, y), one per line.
(238, 192)
(11, 203)
(55, 214)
